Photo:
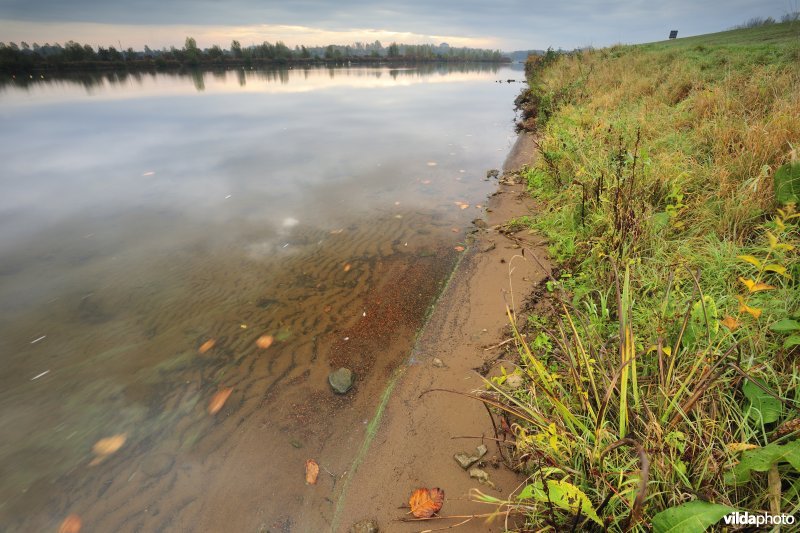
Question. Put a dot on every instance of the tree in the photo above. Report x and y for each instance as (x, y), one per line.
(236, 49)
(394, 50)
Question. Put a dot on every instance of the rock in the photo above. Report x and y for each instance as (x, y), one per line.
(438, 363)
(489, 247)
(341, 380)
(464, 460)
(492, 173)
(296, 443)
(480, 223)
(365, 526)
(514, 381)
(482, 450)
(480, 475)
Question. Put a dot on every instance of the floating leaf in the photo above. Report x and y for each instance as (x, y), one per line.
(763, 406)
(218, 400)
(312, 471)
(265, 341)
(425, 503)
(762, 459)
(105, 447)
(459, 248)
(426, 182)
(71, 524)
(455, 230)
(753, 286)
(730, 323)
(463, 206)
(692, 517)
(787, 325)
(206, 346)
(432, 163)
(750, 259)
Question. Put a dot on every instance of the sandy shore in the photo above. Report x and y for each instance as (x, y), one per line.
(415, 437)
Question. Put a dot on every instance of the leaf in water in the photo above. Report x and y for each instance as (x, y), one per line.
(730, 323)
(463, 206)
(425, 503)
(455, 230)
(206, 346)
(426, 182)
(459, 248)
(71, 524)
(432, 163)
(752, 286)
(692, 517)
(337, 231)
(347, 267)
(105, 447)
(283, 335)
(763, 406)
(265, 341)
(312, 471)
(218, 400)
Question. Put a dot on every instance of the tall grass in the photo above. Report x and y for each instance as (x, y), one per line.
(665, 361)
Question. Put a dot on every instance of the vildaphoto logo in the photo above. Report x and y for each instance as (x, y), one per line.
(760, 519)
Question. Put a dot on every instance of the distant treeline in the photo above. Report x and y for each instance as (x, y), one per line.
(76, 56)
(757, 22)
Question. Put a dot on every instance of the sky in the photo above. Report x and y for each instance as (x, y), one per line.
(504, 24)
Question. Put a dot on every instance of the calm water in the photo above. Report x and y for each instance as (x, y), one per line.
(142, 216)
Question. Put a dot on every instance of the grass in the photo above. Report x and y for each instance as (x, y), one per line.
(663, 381)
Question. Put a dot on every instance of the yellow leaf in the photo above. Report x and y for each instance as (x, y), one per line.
(778, 269)
(730, 323)
(667, 350)
(740, 447)
(750, 259)
(744, 308)
(752, 286)
(773, 240)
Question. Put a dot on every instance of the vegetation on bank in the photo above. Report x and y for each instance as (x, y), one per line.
(76, 56)
(661, 375)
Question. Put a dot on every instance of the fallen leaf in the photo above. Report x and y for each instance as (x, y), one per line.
(71, 524)
(312, 471)
(432, 163)
(109, 445)
(744, 308)
(740, 447)
(425, 503)
(479, 206)
(752, 286)
(327, 308)
(455, 230)
(426, 182)
(730, 323)
(463, 206)
(347, 267)
(459, 248)
(218, 400)
(337, 231)
(206, 346)
(265, 341)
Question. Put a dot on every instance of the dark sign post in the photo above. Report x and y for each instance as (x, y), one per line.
(673, 34)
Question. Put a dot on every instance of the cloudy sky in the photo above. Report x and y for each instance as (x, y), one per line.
(504, 24)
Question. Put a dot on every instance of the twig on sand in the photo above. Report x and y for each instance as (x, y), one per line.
(502, 343)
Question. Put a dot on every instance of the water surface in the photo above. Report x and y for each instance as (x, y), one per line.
(144, 215)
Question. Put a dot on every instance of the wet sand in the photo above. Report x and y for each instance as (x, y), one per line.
(418, 433)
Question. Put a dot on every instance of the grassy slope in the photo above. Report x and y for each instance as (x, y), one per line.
(655, 175)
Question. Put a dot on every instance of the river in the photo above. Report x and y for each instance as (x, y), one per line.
(154, 227)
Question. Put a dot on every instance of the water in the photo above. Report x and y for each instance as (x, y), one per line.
(144, 215)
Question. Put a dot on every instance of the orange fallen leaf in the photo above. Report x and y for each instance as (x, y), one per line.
(730, 323)
(425, 503)
(755, 312)
(71, 524)
(312, 471)
(347, 267)
(105, 447)
(265, 341)
(426, 182)
(206, 346)
(455, 230)
(459, 248)
(463, 206)
(327, 308)
(218, 400)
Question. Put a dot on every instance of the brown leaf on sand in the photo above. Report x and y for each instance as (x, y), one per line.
(347, 267)
(265, 341)
(312, 471)
(218, 400)
(459, 248)
(425, 503)
(206, 346)
(71, 524)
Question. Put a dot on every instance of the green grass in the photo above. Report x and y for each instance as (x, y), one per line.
(668, 365)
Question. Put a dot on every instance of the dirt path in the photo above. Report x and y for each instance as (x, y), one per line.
(414, 439)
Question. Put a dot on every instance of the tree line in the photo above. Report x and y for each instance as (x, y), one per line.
(73, 55)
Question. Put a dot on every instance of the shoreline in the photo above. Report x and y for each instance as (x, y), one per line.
(410, 441)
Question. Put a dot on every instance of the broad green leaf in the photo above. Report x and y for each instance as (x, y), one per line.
(691, 517)
(785, 326)
(762, 460)
(660, 220)
(791, 341)
(762, 406)
(561, 494)
(787, 183)
(750, 259)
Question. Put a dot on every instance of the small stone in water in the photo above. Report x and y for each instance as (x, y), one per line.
(482, 450)
(341, 380)
(365, 526)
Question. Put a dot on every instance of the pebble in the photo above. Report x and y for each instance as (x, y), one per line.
(480, 223)
(438, 363)
(341, 380)
(514, 381)
(465, 461)
(365, 526)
